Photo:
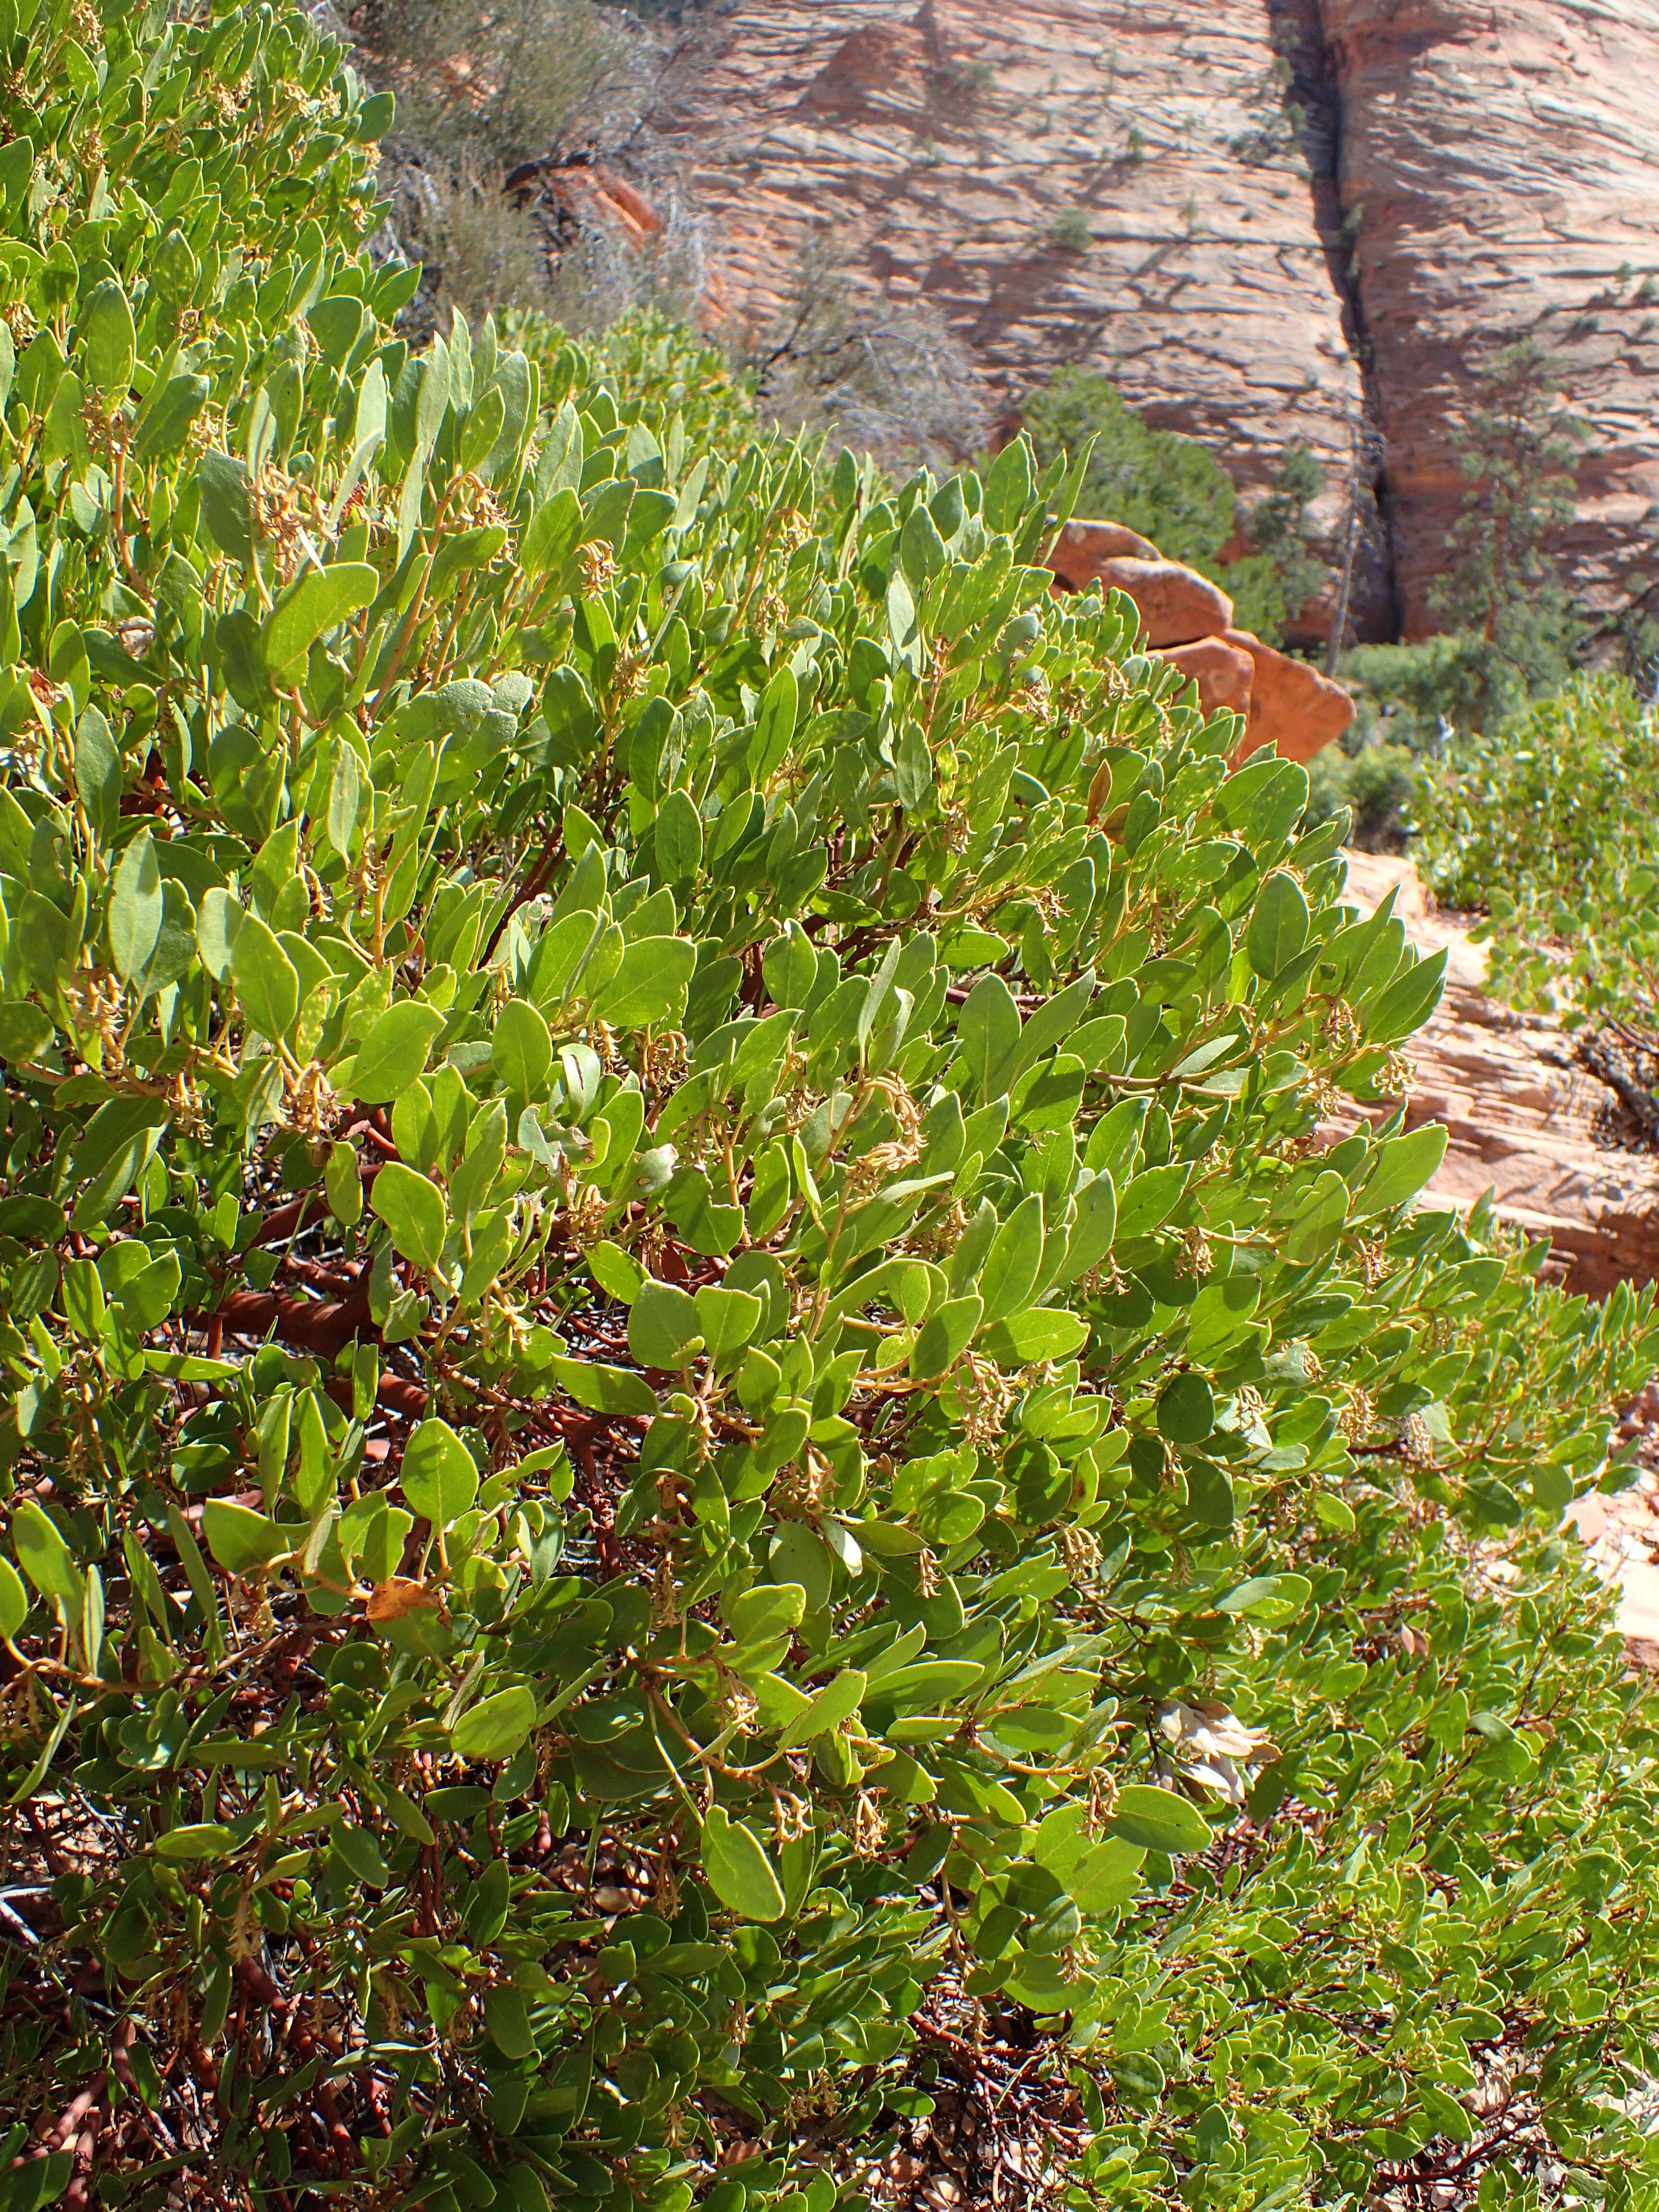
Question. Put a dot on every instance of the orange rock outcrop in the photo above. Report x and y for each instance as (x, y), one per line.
(1188, 621)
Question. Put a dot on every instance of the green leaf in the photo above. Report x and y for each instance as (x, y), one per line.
(44, 1556)
(1318, 1222)
(1094, 1230)
(1150, 1198)
(790, 966)
(413, 1209)
(1402, 1166)
(837, 1701)
(164, 419)
(766, 1611)
(1408, 1002)
(649, 987)
(343, 1183)
(14, 1599)
(16, 166)
(604, 519)
(921, 550)
(436, 384)
(726, 1319)
(394, 1053)
(739, 1873)
(25, 1032)
(775, 726)
(483, 427)
(944, 1336)
(1038, 1334)
(679, 838)
(508, 2019)
(560, 467)
(617, 1273)
(1279, 924)
(1446, 2117)
(362, 1853)
(1185, 1410)
(1009, 486)
(322, 598)
(439, 1477)
(521, 1050)
(98, 772)
(605, 1390)
(664, 1328)
(226, 500)
(551, 535)
(243, 1541)
(1010, 1274)
(988, 1027)
(1270, 1599)
(496, 1727)
(344, 799)
(136, 907)
(1104, 1876)
(266, 981)
(198, 1839)
(111, 339)
(1158, 1820)
(218, 921)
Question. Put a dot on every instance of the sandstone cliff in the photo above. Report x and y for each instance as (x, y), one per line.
(1495, 160)
(1269, 220)
(952, 153)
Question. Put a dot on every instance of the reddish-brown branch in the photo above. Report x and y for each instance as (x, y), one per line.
(77, 2198)
(325, 1325)
(396, 1393)
(287, 1220)
(312, 1207)
(291, 2029)
(533, 885)
(69, 2120)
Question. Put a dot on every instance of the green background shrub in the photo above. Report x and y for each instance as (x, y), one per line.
(1172, 490)
(1548, 825)
(689, 1415)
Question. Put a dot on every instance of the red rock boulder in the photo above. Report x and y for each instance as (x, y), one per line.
(1082, 547)
(1176, 605)
(1222, 672)
(1292, 706)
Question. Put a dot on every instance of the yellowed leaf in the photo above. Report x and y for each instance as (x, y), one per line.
(390, 1600)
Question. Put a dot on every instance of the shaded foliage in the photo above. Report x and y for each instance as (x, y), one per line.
(1172, 490)
(690, 1421)
(1518, 449)
(1548, 825)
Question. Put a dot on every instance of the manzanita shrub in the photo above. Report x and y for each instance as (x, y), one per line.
(1548, 825)
(693, 1420)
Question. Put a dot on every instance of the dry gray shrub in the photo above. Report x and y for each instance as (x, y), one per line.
(601, 275)
(506, 81)
(479, 248)
(875, 374)
(485, 92)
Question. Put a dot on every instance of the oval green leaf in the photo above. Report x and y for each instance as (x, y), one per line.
(1158, 1820)
(496, 1727)
(413, 1209)
(321, 599)
(43, 1555)
(266, 981)
(521, 1050)
(439, 1477)
(243, 1541)
(739, 1873)
(394, 1053)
